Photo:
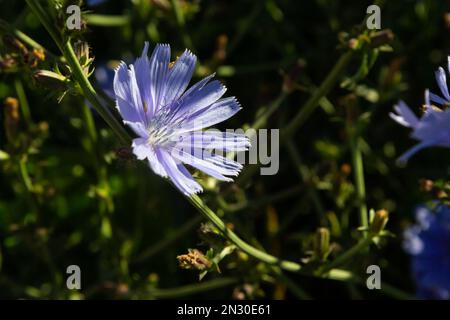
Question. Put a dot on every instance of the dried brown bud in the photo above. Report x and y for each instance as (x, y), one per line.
(426, 185)
(382, 37)
(194, 259)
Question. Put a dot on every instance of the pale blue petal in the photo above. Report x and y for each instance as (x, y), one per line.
(124, 97)
(437, 99)
(212, 164)
(159, 67)
(142, 70)
(216, 113)
(178, 174)
(138, 128)
(143, 150)
(179, 76)
(404, 115)
(210, 139)
(136, 94)
(442, 82)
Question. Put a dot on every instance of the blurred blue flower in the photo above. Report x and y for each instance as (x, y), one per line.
(433, 128)
(151, 98)
(428, 242)
(104, 75)
(93, 3)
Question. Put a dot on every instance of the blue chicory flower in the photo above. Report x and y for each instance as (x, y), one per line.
(428, 243)
(151, 98)
(433, 128)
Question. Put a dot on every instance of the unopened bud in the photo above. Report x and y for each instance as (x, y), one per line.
(380, 218)
(194, 259)
(50, 79)
(322, 243)
(39, 54)
(82, 52)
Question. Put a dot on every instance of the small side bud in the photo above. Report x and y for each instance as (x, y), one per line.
(82, 51)
(379, 221)
(322, 244)
(50, 79)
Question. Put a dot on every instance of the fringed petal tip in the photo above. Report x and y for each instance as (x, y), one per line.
(404, 116)
(190, 192)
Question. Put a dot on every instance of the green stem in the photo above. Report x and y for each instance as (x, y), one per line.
(313, 101)
(90, 94)
(86, 87)
(192, 289)
(24, 174)
(349, 254)
(107, 20)
(358, 171)
(244, 246)
(90, 124)
(23, 102)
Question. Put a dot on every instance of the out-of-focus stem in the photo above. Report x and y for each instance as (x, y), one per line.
(244, 246)
(191, 289)
(107, 20)
(23, 102)
(358, 171)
